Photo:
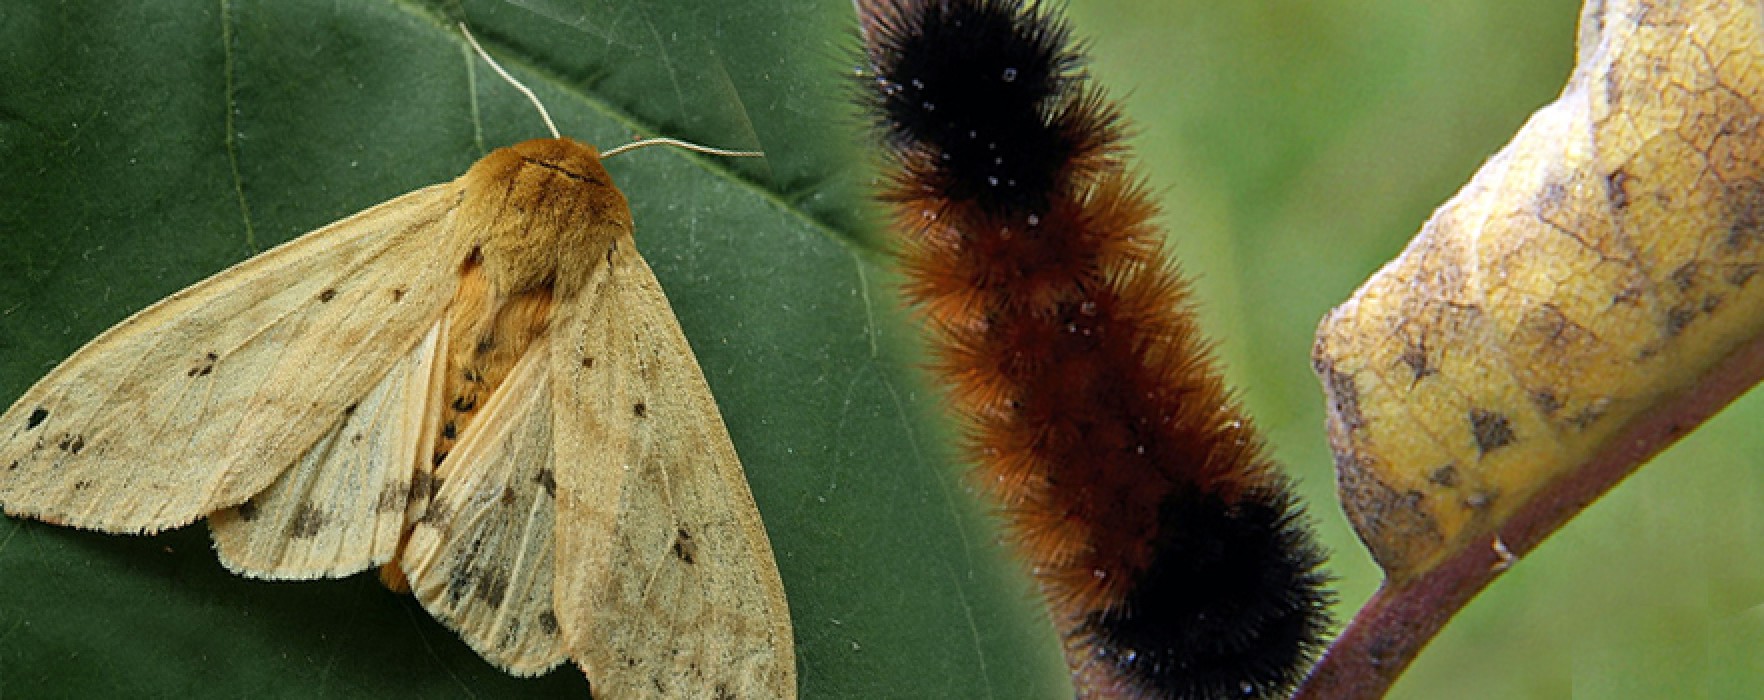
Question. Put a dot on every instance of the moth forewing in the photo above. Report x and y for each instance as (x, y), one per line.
(481, 558)
(341, 507)
(200, 401)
(683, 596)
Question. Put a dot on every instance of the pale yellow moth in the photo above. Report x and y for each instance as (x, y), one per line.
(478, 385)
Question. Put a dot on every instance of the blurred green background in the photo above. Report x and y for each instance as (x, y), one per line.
(1296, 145)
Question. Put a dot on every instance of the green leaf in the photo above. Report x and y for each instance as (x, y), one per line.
(146, 145)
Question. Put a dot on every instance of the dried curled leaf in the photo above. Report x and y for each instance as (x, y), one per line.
(1599, 267)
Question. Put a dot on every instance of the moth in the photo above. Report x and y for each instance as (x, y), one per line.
(478, 386)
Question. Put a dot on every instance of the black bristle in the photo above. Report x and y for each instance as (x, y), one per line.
(979, 90)
(1233, 606)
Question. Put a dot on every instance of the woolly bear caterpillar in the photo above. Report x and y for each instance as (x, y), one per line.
(1173, 557)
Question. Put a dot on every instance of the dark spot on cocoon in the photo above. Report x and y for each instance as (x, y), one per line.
(1446, 476)
(39, 415)
(1615, 188)
(1677, 319)
(1546, 401)
(1491, 430)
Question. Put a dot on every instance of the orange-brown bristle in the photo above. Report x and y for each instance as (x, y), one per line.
(488, 331)
(1171, 553)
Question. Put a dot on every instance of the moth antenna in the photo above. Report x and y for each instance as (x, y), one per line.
(677, 143)
(511, 81)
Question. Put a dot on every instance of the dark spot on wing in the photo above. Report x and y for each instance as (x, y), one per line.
(37, 417)
(308, 521)
(247, 511)
(206, 368)
(722, 692)
(327, 295)
(684, 548)
(13, 466)
(450, 430)
(492, 587)
(439, 458)
(465, 404)
(640, 409)
(459, 580)
(548, 622)
(1491, 430)
(508, 496)
(350, 409)
(471, 375)
(422, 486)
(393, 497)
(72, 444)
(82, 485)
(398, 293)
(547, 480)
(486, 343)
(436, 514)
(587, 363)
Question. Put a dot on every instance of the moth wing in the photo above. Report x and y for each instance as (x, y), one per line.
(202, 399)
(481, 557)
(666, 583)
(341, 507)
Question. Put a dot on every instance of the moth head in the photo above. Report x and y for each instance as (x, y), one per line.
(539, 203)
